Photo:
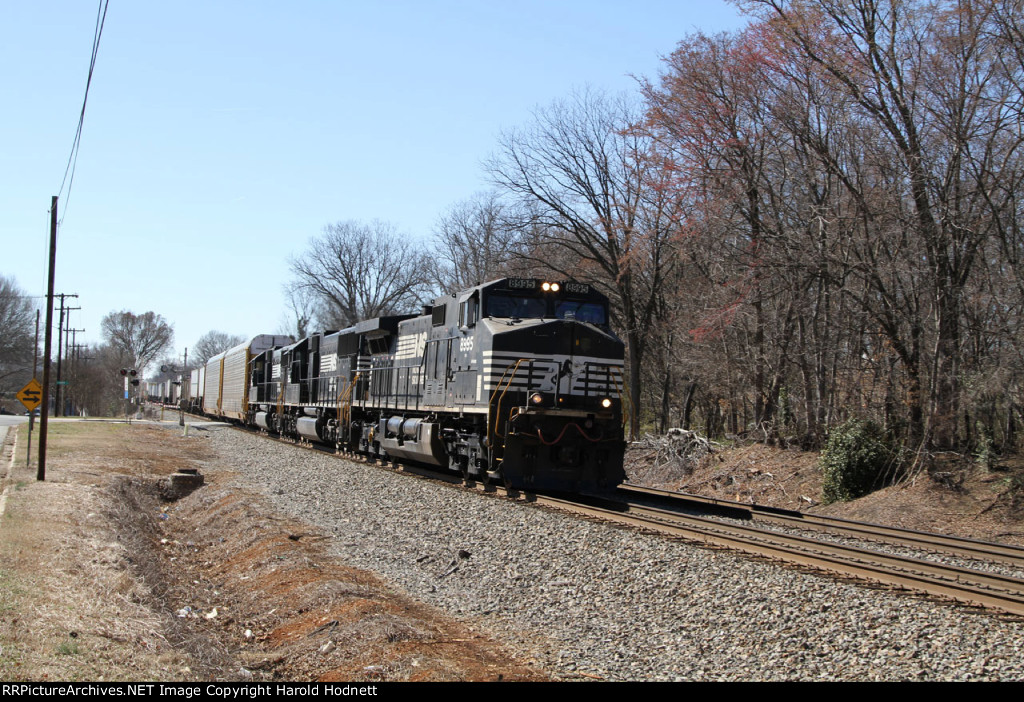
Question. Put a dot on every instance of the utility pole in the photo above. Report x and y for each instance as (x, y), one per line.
(45, 414)
(57, 411)
(72, 371)
(60, 352)
(32, 415)
(181, 402)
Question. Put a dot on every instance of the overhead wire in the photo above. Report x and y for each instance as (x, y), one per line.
(69, 171)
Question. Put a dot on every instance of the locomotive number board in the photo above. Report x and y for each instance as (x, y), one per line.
(522, 283)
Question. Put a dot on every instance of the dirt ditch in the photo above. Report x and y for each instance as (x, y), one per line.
(102, 579)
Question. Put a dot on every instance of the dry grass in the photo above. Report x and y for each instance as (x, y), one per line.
(74, 607)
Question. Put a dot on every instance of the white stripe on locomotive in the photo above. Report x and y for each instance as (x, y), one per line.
(605, 374)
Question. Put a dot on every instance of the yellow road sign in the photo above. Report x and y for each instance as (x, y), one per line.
(31, 395)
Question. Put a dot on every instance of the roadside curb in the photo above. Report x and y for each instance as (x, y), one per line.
(9, 444)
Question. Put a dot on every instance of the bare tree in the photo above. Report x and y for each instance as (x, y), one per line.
(139, 339)
(855, 170)
(97, 385)
(303, 313)
(358, 271)
(582, 174)
(475, 242)
(213, 342)
(17, 336)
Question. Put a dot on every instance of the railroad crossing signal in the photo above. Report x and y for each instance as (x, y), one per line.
(31, 395)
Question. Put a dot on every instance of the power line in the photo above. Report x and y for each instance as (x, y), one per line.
(101, 18)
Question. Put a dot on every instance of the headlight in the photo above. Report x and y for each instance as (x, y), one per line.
(606, 402)
(536, 398)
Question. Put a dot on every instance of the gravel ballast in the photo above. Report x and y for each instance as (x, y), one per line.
(593, 601)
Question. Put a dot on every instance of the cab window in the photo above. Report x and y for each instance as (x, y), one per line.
(508, 306)
(468, 311)
(591, 312)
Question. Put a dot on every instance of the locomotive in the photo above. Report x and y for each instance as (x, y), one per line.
(518, 381)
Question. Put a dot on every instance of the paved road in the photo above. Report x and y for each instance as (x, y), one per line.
(8, 420)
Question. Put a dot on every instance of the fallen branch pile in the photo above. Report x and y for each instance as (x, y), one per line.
(661, 459)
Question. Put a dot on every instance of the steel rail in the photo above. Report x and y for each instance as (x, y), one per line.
(942, 543)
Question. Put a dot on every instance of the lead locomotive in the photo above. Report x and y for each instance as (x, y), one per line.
(517, 381)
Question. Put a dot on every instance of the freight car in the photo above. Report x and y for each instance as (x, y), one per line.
(224, 378)
(517, 381)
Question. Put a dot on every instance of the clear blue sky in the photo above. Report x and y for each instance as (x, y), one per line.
(220, 136)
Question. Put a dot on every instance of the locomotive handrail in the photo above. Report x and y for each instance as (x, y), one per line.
(627, 405)
(344, 403)
(515, 370)
(490, 403)
(386, 379)
(592, 373)
(280, 402)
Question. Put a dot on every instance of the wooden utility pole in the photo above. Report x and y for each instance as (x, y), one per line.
(45, 414)
(31, 413)
(72, 368)
(58, 408)
(181, 402)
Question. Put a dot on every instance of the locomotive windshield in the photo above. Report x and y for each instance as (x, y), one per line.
(516, 306)
(581, 311)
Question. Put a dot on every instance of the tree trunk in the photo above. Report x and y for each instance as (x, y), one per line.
(691, 390)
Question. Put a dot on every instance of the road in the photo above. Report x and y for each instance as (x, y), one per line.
(9, 420)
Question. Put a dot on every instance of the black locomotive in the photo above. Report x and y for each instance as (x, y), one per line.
(517, 381)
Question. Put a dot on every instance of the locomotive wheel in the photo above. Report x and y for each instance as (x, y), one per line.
(494, 479)
(458, 464)
(487, 479)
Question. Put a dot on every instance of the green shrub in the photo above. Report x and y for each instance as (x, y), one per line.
(856, 460)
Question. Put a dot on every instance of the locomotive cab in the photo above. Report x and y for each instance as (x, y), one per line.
(535, 375)
(556, 372)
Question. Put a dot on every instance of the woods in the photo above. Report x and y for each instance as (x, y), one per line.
(840, 241)
(849, 161)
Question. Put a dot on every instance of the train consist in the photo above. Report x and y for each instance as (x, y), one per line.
(517, 382)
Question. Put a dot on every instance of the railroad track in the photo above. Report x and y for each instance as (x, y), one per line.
(985, 551)
(969, 586)
(1003, 593)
